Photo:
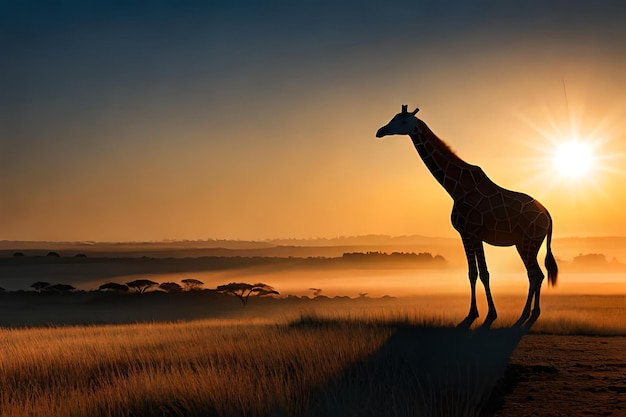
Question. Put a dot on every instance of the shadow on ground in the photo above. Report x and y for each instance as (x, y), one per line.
(422, 372)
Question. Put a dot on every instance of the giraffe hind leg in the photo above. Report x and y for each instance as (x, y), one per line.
(526, 310)
(473, 276)
(528, 253)
(537, 281)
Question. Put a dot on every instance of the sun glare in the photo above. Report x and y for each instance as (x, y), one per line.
(574, 159)
(572, 155)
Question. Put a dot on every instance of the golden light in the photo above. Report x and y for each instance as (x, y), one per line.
(572, 153)
(574, 159)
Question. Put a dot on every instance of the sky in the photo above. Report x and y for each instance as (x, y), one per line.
(152, 120)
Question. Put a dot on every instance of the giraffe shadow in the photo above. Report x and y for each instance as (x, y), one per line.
(421, 372)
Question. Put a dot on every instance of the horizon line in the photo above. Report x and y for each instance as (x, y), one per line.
(269, 240)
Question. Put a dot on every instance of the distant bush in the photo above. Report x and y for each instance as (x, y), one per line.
(590, 259)
(316, 291)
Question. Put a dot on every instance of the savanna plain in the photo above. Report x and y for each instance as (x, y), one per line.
(204, 353)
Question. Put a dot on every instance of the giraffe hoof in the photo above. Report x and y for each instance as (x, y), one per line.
(466, 323)
(533, 318)
(487, 324)
(491, 317)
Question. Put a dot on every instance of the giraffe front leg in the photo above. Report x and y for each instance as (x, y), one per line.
(473, 276)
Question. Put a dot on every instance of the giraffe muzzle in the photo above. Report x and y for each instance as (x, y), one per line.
(381, 132)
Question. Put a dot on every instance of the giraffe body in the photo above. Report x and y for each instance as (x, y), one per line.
(483, 212)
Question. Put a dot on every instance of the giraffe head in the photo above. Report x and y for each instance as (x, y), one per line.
(403, 123)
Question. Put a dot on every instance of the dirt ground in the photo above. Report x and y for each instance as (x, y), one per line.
(552, 375)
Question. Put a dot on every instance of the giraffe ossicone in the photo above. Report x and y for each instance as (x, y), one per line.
(405, 108)
(483, 212)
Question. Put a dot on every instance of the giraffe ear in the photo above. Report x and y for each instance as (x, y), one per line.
(414, 112)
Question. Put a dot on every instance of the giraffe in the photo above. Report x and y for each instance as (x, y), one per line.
(483, 212)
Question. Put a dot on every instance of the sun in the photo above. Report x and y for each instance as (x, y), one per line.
(574, 159)
(572, 154)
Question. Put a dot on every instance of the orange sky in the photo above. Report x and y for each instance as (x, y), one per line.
(249, 155)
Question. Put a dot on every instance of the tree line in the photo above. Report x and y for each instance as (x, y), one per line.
(241, 290)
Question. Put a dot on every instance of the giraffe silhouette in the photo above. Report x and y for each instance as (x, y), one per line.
(483, 212)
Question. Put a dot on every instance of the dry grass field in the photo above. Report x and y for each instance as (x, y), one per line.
(366, 361)
(202, 368)
(201, 353)
(313, 367)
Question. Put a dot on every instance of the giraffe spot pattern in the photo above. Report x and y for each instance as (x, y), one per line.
(481, 207)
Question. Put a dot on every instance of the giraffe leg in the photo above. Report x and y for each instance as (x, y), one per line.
(526, 310)
(537, 281)
(484, 278)
(473, 276)
(528, 254)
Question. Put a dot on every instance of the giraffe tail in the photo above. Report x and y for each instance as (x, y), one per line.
(550, 262)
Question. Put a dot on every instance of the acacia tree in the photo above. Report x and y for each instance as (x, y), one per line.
(113, 286)
(141, 285)
(60, 288)
(170, 287)
(40, 285)
(243, 291)
(192, 284)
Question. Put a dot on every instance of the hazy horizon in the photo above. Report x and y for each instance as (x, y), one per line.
(295, 239)
(174, 261)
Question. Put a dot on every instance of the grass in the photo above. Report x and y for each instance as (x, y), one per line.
(370, 361)
(203, 368)
(583, 315)
(561, 314)
(310, 367)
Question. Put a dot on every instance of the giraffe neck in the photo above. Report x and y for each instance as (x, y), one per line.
(448, 169)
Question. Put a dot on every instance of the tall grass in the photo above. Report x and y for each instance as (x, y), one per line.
(590, 315)
(314, 366)
(201, 368)
(560, 314)
(322, 363)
